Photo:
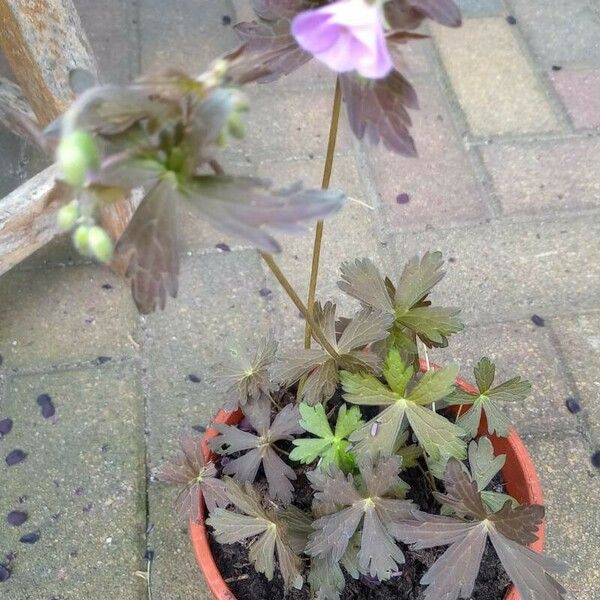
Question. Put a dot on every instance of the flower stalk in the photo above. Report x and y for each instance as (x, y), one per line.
(328, 168)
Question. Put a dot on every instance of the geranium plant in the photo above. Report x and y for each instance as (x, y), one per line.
(347, 459)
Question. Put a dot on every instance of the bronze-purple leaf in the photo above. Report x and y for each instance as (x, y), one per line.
(150, 245)
(377, 110)
(453, 575)
(259, 449)
(197, 478)
(372, 504)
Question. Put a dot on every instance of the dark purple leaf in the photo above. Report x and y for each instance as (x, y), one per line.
(150, 245)
(30, 538)
(377, 110)
(16, 518)
(5, 427)
(15, 457)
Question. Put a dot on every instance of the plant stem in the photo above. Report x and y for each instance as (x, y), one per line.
(316, 331)
(316, 256)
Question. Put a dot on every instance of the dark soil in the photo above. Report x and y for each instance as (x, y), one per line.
(247, 584)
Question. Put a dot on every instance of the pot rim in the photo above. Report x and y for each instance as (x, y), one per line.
(522, 482)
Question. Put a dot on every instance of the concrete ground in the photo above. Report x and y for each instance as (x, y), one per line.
(507, 186)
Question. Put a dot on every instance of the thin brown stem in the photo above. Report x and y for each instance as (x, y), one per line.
(317, 333)
(316, 256)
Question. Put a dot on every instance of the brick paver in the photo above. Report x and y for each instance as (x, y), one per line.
(506, 185)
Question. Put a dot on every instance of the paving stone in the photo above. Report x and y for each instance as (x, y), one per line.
(580, 93)
(506, 271)
(579, 342)
(42, 314)
(350, 234)
(517, 348)
(558, 31)
(480, 8)
(541, 177)
(111, 29)
(82, 485)
(571, 487)
(279, 124)
(218, 304)
(440, 184)
(495, 85)
(186, 35)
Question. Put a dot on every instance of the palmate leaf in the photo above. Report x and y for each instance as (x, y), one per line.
(328, 446)
(247, 377)
(453, 575)
(258, 449)
(413, 315)
(370, 505)
(244, 206)
(321, 369)
(438, 437)
(196, 477)
(487, 400)
(377, 110)
(270, 533)
(149, 245)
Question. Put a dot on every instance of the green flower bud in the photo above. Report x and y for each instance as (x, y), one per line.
(100, 243)
(68, 215)
(81, 240)
(235, 126)
(76, 155)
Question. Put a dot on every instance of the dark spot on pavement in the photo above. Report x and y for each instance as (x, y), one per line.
(403, 198)
(193, 378)
(199, 428)
(102, 360)
(1, 360)
(226, 20)
(596, 459)
(4, 573)
(16, 518)
(222, 247)
(511, 20)
(537, 320)
(30, 538)
(5, 427)
(46, 405)
(107, 286)
(573, 406)
(265, 292)
(15, 457)
(149, 555)
(556, 68)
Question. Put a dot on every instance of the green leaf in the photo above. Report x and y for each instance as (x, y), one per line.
(432, 324)
(436, 435)
(484, 371)
(514, 390)
(484, 464)
(418, 279)
(434, 385)
(380, 434)
(396, 372)
(495, 501)
(328, 446)
(367, 390)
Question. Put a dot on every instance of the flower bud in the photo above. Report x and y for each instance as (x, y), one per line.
(81, 240)
(101, 245)
(68, 215)
(76, 155)
(235, 126)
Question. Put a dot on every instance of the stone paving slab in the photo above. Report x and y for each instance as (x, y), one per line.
(511, 270)
(578, 339)
(60, 316)
(496, 86)
(571, 486)
(439, 185)
(82, 485)
(219, 303)
(580, 93)
(560, 32)
(531, 177)
(518, 348)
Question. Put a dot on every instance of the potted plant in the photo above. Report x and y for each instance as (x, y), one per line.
(344, 469)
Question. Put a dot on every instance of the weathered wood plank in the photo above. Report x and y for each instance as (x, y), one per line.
(28, 218)
(14, 109)
(43, 41)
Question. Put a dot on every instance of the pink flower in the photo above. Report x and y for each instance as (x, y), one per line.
(347, 36)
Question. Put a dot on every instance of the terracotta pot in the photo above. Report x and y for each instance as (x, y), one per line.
(522, 483)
